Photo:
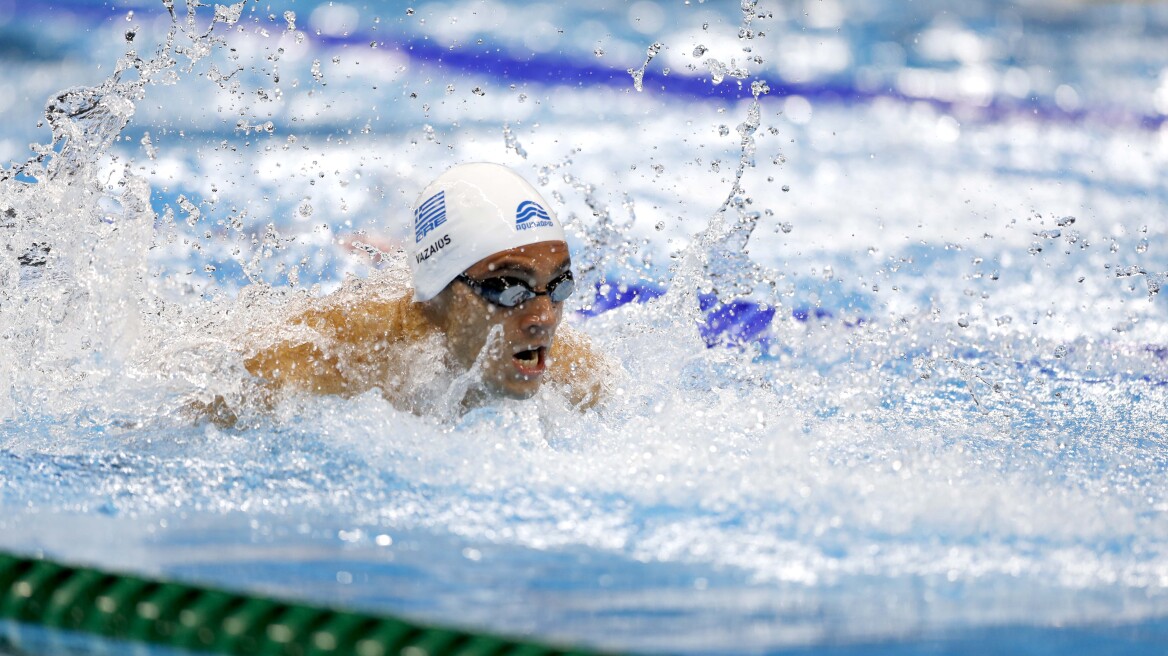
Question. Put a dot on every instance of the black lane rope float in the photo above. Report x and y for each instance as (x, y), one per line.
(50, 594)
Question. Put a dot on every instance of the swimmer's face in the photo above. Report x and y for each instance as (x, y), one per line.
(515, 360)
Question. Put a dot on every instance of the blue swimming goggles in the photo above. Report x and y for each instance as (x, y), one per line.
(509, 292)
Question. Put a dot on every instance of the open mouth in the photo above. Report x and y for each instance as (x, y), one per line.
(531, 361)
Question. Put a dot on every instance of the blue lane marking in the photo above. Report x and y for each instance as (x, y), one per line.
(735, 323)
(553, 69)
(611, 295)
(741, 323)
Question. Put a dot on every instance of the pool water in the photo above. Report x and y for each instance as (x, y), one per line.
(882, 281)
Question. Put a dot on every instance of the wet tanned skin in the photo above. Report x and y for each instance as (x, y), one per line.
(361, 335)
(468, 320)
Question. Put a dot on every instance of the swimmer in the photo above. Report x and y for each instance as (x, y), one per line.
(490, 272)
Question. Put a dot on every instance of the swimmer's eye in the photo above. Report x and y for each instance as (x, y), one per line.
(509, 292)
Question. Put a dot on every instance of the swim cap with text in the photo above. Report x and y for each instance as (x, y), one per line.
(468, 213)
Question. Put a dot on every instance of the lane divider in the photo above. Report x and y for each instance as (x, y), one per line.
(120, 606)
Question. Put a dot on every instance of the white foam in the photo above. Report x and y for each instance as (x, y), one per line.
(971, 435)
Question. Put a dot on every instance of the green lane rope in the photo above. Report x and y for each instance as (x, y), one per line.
(50, 594)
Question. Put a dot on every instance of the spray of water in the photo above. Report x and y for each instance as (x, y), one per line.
(866, 466)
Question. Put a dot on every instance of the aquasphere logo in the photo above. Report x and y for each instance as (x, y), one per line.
(430, 215)
(531, 214)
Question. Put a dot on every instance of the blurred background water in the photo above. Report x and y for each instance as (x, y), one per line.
(910, 397)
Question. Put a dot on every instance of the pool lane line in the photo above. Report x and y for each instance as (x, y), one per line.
(90, 601)
(550, 69)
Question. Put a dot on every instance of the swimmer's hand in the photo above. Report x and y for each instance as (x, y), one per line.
(217, 411)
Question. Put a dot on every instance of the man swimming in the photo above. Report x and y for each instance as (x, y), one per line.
(490, 271)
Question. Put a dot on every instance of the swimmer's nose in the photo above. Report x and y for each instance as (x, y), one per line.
(537, 314)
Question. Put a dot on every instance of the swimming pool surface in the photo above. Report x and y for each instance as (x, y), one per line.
(883, 281)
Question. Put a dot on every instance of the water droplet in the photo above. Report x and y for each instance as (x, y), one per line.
(478, 91)
(699, 51)
(228, 14)
(723, 130)
(410, 11)
(449, 89)
(305, 209)
(1060, 351)
(786, 187)
(660, 225)
(599, 52)
(717, 70)
(1142, 247)
(290, 18)
(786, 227)
(963, 321)
(193, 213)
(638, 78)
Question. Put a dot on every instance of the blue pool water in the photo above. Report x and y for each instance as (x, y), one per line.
(882, 281)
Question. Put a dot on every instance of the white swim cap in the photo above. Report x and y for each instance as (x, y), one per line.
(470, 212)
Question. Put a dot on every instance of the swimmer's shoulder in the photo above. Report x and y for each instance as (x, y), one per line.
(365, 316)
(327, 345)
(577, 365)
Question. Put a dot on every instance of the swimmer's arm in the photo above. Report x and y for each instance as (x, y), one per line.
(576, 365)
(285, 365)
(304, 366)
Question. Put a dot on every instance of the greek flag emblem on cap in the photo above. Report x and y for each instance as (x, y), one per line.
(529, 210)
(430, 215)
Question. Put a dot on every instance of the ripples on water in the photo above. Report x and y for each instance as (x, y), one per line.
(955, 419)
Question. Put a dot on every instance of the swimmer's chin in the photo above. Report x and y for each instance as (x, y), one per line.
(528, 390)
(486, 395)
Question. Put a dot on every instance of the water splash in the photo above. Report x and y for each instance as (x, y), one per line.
(891, 476)
(1154, 280)
(512, 142)
(638, 74)
(74, 307)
